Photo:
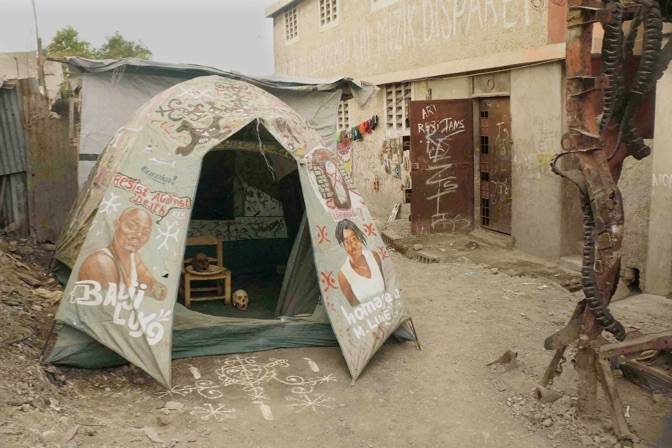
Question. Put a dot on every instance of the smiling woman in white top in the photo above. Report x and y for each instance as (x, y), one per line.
(361, 276)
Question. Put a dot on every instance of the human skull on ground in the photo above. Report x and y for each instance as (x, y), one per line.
(200, 262)
(240, 299)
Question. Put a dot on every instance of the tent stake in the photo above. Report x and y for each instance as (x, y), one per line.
(46, 342)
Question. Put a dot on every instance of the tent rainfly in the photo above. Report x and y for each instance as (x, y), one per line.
(125, 240)
(111, 90)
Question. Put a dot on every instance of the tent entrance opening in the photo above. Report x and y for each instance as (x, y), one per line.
(250, 200)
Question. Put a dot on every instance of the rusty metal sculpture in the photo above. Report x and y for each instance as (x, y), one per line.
(598, 140)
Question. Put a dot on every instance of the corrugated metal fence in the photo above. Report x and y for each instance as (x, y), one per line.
(13, 192)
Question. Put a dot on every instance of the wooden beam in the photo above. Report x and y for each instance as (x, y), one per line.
(657, 341)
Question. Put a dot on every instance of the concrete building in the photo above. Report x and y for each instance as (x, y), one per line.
(23, 65)
(471, 110)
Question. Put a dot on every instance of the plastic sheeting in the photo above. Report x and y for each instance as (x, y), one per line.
(112, 90)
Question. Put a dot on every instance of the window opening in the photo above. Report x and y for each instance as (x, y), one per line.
(343, 116)
(397, 103)
(291, 24)
(485, 144)
(328, 11)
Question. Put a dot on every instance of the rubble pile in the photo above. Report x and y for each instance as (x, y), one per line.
(28, 299)
(559, 419)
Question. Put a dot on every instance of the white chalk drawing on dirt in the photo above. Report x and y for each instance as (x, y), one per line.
(218, 412)
(252, 377)
(314, 402)
(313, 365)
(195, 372)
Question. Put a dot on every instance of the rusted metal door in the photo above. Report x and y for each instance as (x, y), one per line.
(442, 166)
(495, 163)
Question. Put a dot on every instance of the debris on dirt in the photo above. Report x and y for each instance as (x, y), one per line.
(472, 245)
(546, 395)
(52, 296)
(559, 416)
(172, 406)
(152, 434)
(50, 437)
(165, 420)
(55, 375)
(28, 279)
(506, 358)
(72, 433)
(572, 284)
(27, 298)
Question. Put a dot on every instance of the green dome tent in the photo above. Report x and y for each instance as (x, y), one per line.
(125, 239)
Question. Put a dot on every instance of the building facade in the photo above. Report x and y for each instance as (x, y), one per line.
(470, 112)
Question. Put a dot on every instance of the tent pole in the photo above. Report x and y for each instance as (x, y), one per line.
(417, 339)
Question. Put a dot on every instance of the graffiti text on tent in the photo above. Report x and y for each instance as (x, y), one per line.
(157, 202)
(127, 305)
(366, 317)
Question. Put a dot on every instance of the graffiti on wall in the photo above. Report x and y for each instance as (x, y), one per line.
(438, 134)
(391, 156)
(500, 181)
(259, 203)
(241, 228)
(662, 180)
(344, 151)
(406, 170)
(414, 25)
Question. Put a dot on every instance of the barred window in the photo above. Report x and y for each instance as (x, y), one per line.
(343, 116)
(291, 24)
(397, 103)
(328, 12)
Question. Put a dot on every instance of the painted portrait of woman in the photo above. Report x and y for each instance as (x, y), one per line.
(361, 276)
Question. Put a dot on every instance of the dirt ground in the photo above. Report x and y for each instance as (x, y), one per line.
(467, 313)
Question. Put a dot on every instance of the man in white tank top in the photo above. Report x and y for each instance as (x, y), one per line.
(120, 262)
(361, 276)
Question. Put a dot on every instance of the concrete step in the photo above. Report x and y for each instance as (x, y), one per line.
(394, 240)
(644, 307)
(404, 212)
(427, 256)
(571, 262)
(493, 238)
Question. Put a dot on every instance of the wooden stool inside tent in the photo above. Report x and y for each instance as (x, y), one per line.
(216, 274)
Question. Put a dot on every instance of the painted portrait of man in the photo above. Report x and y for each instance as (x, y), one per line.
(120, 262)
